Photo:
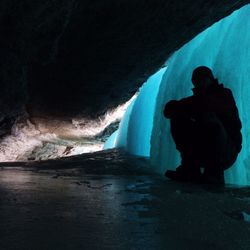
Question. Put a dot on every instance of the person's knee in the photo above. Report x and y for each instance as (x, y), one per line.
(216, 129)
(223, 159)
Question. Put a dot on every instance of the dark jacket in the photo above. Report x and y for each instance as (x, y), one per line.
(216, 99)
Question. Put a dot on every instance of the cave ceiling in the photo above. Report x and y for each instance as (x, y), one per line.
(71, 57)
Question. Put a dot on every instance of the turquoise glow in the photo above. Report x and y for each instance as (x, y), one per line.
(111, 142)
(225, 48)
(119, 138)
(137, 123)
(142, 116)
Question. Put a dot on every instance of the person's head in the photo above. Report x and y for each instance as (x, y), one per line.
(202, 77)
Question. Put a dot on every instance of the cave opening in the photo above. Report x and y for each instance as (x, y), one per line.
(35, 138)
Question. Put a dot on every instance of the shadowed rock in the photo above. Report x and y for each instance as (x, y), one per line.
(63, 57)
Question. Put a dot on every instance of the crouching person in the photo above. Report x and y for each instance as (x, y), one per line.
(206, 129)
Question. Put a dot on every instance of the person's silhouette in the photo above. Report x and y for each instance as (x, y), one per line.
(206, 129)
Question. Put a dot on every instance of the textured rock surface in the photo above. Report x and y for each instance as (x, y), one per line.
(64, 57)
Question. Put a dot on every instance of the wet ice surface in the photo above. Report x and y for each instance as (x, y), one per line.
(109, 200)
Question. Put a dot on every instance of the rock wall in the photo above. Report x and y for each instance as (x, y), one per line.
(62, 58)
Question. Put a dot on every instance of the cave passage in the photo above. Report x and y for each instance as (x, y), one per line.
(225, 48)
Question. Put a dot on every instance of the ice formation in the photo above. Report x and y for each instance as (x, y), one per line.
(135, 129)
(225, 48)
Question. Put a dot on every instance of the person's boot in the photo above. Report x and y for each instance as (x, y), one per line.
(185, 174)
(214, 176)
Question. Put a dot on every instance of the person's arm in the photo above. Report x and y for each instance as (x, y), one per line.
(183, 108)
(170, 109)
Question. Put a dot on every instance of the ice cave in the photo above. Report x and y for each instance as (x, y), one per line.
(78, 77)
(225, 48)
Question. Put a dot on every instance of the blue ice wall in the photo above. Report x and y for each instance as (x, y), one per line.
(225, 48)
(111, 142)
(119, 138)
(122, 134)
(141, 120)
(135, 129)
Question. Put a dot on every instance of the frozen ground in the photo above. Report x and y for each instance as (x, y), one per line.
(109, 200)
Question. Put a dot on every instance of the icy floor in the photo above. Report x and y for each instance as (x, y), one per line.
(109, 200)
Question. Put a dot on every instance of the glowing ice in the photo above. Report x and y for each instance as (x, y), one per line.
(136, 125)
(111, 142)
(142, 115)
(225, 48)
